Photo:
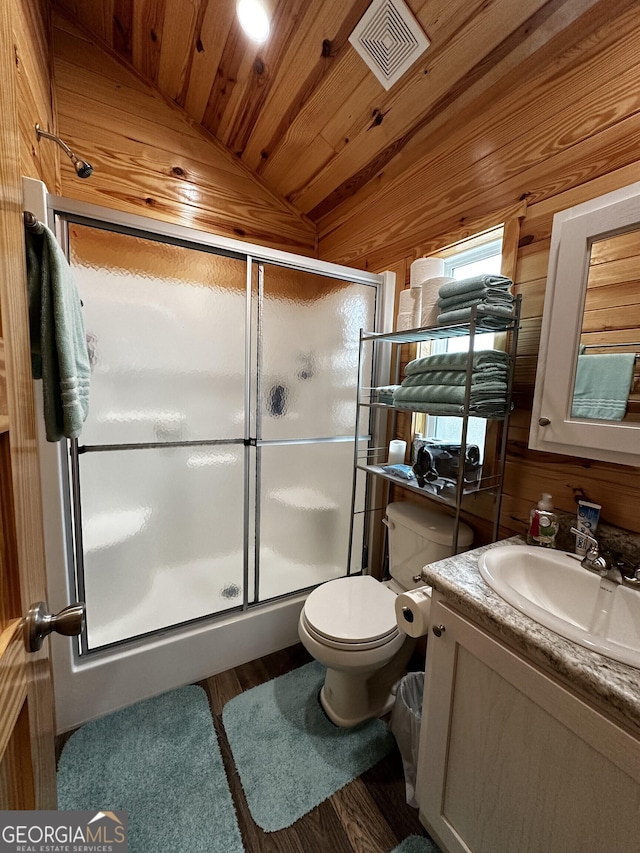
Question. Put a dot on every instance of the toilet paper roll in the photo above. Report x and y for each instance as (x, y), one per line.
(405, 322)
(430, 290)
(410, 303)
(412, 611)
(425, 268)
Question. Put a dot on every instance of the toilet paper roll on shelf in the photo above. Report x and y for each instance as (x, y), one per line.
(413, 609)
(409, 309)
(424, 268)
(429, 307)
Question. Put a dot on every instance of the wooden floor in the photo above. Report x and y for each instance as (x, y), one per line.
(369, 815)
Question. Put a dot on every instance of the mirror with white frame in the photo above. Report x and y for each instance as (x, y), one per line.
(586, 400)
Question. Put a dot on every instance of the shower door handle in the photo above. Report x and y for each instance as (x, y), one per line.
(39, 623)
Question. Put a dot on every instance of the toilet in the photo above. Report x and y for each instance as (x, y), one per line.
(349, 624)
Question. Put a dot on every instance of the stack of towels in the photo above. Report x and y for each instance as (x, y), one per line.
(489, 293)
(436, 384)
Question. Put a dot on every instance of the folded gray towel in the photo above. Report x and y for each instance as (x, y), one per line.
(464, 285)
(481, 360)
(485, 322)
(494, 391)
(489, 409)
(58, 341)
(457, 377)
(503, 299)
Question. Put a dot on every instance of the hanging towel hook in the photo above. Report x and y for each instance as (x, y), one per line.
(31, 223)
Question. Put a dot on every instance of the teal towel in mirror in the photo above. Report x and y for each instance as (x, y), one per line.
(603, 383)
(58, 342)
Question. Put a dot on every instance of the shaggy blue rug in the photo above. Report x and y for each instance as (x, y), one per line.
(416, 844)
(289, 756)
(159, 760)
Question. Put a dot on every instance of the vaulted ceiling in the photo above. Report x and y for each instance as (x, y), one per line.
(303, 111)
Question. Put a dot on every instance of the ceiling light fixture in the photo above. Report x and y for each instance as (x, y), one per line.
(254, 19)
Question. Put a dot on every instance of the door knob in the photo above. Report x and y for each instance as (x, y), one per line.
(39, 623)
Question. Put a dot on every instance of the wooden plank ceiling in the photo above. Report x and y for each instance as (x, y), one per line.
(303, 111)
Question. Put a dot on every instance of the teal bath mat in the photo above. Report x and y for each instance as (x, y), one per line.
(289, 756)
(416, 844)
(160, 761)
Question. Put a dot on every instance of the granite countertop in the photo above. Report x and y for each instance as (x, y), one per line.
(614, 687)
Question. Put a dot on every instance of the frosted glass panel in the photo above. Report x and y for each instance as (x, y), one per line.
(310, 337)
(166, 331)
(305, 505)
(162, 536)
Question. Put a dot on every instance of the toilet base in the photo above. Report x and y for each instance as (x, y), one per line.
(349, 698)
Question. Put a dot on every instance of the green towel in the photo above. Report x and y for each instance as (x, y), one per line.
(464, 285)
(58, 341)
(485, 322)
(482, 409)
(603, 382)
(456, 377)
(453, 394)
(483, 298)
(482, 360)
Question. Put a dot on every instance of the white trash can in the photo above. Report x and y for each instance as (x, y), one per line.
(406, 718)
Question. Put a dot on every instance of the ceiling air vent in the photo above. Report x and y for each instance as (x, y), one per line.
(389, 39)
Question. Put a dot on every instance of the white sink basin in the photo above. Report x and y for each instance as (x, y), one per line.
(555, 590)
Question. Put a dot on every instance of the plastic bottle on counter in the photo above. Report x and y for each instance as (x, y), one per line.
(418, 442)
(543, 523)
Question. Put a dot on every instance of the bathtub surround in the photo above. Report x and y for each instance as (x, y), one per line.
(289, 756)
(181, 438)
(159, 760)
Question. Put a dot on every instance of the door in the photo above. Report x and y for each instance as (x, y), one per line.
(307, 375)
(210, 373)
(27, 759)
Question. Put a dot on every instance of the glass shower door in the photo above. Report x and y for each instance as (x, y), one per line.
(308, 334)
(161, 465)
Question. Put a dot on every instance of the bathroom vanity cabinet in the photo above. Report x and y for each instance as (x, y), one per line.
(375, 420)
(511, 760)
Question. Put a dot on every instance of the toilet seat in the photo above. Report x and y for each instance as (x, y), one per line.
(353, 614)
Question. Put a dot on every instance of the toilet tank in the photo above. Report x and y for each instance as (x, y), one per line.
(417, 536)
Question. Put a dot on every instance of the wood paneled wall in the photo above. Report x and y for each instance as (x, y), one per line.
(150, 159)
(25, 97)
(36, 98)
(568, 132)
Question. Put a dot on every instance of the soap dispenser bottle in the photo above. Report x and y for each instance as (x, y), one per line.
(543, 524)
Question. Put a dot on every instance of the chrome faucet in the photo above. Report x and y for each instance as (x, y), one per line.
(593, 560)
(604, 565)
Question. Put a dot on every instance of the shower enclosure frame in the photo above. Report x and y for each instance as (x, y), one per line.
(190, 651)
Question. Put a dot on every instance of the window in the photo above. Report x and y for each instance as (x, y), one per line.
(463, 261)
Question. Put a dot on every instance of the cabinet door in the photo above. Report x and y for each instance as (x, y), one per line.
(512, 761)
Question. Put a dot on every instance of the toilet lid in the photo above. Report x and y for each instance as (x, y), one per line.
(352, 610)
